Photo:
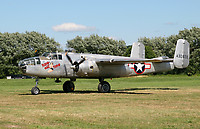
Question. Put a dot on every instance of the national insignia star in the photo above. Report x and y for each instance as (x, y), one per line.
(139, 67)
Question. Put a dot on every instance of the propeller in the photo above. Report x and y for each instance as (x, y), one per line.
(75, 64)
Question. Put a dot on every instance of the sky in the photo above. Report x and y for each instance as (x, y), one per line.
(125, 20)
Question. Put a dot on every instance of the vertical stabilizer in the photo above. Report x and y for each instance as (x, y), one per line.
(138, 50)
(182, 54)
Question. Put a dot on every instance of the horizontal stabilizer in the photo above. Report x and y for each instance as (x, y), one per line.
(182, 54)
(124, 60)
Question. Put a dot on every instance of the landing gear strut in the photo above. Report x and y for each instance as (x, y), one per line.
(35, 90)
(104, 86)
(68, 86)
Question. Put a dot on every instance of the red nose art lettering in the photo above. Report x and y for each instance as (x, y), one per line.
(45, 64)
(55, 66)
(139, 68)
(48, 65)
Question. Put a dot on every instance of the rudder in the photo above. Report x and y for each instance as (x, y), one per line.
(182, 53)
(138, 50)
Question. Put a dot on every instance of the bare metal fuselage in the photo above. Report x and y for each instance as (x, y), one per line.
(61, 67)
(74, 65)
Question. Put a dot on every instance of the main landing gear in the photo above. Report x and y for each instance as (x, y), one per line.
(68, 86)
(104, 86)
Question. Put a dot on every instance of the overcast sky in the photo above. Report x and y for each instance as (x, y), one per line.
(125, 20)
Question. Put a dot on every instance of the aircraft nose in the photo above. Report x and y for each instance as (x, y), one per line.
(22, 66)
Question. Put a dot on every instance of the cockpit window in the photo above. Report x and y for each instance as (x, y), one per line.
(46, 54)
(52, 56)
(60, 57)
(27, 62)
(32, 62)
(37, 60)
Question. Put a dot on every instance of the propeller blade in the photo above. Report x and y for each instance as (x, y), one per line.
(81, 61)
(69, 58)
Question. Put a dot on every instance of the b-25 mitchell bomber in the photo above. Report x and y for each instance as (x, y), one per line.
(96, 66)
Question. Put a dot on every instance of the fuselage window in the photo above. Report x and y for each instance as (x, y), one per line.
(37, 61)
(60, 57)
(26, 62)
(32, 62)
(54, 57)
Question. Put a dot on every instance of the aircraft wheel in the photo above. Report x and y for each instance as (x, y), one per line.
(104, 87)
(35, 91)
(68, 86)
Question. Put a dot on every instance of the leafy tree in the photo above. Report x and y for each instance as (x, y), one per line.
(17, 46)
(166, 47)
(157, 44)
(149, 53)
(128, 51)
(97, 45)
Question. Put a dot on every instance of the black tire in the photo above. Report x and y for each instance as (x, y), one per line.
(68, 86)
(104, 87)
(35, 91)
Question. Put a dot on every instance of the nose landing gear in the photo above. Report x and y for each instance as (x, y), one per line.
(35, 90)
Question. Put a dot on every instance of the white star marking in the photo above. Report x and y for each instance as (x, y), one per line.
(139, 67)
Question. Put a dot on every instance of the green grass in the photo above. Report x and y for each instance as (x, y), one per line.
(139, 102)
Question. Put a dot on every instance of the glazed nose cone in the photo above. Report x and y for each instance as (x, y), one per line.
(22, 66)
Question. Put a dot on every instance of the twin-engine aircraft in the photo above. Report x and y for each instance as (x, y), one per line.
(79, 65)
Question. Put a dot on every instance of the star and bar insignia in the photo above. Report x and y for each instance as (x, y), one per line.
(139, 68)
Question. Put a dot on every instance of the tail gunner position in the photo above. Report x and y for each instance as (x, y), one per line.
(76, 65)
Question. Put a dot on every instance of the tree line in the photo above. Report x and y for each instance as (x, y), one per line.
(165, 46)
(17, 46)
(97, 45)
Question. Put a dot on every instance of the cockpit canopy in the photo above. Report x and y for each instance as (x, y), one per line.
(37, 60)
(52, 56)
(30, 61)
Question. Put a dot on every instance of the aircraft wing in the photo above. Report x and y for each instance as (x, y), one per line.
(125, 60)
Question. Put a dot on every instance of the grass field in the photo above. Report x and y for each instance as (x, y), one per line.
(139, 102)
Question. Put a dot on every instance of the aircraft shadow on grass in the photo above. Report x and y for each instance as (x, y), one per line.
(119, 91)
